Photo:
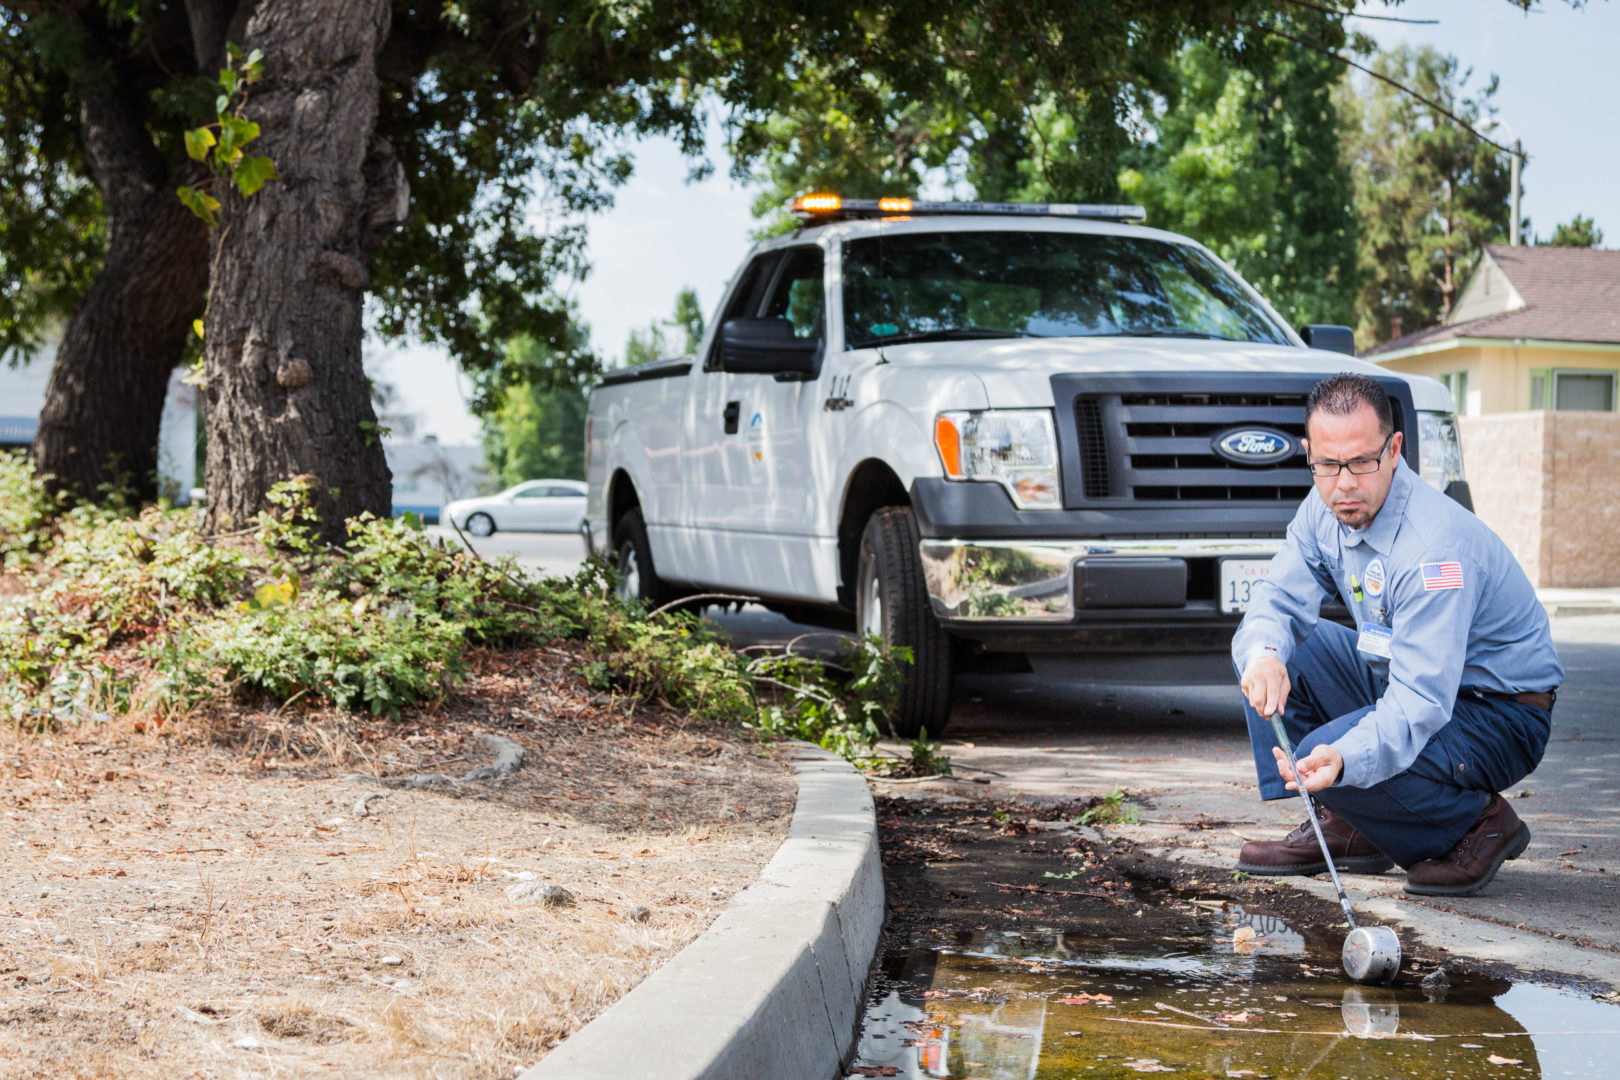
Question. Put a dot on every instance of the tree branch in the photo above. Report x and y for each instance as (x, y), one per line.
(210, 22)
(127, 167)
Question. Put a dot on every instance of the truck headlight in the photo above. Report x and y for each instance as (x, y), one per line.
(1016, 448)
(1439, 449)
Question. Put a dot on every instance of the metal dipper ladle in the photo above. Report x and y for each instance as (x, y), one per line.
(1371, 953)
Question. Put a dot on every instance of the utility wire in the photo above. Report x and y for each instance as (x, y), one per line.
(1359, 15)
(1435, 105)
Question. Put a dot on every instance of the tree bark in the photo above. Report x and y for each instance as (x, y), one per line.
(286, 394)
(104, 398)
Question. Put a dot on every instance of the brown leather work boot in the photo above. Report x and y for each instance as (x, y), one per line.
(1299, 853)
(1496, 837)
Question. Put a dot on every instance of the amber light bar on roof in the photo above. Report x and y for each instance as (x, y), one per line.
(824, 206)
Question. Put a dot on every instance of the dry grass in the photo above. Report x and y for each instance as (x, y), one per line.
(202, 900)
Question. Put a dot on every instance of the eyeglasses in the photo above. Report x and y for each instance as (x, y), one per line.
(1361, 466)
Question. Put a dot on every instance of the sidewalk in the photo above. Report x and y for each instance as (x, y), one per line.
(1580, 601)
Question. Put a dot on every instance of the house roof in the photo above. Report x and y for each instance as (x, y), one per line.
(1570, 294)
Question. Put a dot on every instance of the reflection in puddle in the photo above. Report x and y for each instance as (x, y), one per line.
(1042, 1005)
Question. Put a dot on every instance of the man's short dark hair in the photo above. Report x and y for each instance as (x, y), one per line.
(1344, 393)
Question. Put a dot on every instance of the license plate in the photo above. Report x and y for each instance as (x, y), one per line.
(1238, 577)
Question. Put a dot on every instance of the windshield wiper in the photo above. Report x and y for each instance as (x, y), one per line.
(1178, 334)
(952, 333)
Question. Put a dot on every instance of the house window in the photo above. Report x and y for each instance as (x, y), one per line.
(1591, 391)
(1457, 383)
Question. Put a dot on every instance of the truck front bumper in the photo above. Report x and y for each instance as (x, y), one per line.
(1034, 583)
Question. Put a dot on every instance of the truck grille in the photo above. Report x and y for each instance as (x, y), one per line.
(1142, 440)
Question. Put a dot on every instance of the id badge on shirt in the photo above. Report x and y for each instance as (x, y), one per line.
(1374, 640)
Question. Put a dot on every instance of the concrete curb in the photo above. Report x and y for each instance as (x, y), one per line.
(774, 987)
(1477, 939)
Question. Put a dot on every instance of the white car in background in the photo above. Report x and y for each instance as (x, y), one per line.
(532, 506)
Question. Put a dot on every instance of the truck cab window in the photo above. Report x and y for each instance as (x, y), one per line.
(744, 300)
(798, 294)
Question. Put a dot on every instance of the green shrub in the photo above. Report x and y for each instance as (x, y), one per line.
(353, 654)
(125, 606)
(27, 510)
(142, 572)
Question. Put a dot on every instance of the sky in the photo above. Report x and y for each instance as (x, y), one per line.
(1560, 88)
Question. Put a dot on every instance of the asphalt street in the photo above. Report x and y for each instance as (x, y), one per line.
(543, 554)
(1181, 752)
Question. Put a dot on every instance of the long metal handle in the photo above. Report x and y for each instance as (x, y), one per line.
(1310, 814)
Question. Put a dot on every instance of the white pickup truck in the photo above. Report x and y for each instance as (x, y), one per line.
(1007, 436)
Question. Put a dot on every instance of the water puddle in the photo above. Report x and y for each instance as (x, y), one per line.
(1241, 996)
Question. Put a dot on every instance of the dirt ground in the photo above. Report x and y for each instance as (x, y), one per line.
(217, 898)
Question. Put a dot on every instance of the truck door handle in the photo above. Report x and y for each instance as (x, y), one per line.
(733, 414)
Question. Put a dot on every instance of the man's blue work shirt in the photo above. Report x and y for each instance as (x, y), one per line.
(1440, 603)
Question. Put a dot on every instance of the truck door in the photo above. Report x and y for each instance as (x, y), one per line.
(712, 445)
(765, 545)
(781, 494)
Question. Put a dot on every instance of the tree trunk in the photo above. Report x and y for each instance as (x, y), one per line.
(286, 395)
(104, 398)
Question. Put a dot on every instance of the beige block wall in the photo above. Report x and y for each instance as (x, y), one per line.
(1548, 483)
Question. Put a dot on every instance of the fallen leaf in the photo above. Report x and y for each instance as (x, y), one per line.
(1242, 934)
(1498, 1059)
(1084, 999)
(1235, 1018)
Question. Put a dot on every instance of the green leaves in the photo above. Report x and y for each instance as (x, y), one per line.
(223, 152)
(234, 133)
(200, 203)
(198, 142)
(252, 173)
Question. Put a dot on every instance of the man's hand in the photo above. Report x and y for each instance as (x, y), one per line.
(1320, 767)
(1265, 684)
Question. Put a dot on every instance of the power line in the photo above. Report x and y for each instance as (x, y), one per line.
(1435, 105)
(1359, 15)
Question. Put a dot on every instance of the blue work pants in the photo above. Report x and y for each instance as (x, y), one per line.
(1488, 745)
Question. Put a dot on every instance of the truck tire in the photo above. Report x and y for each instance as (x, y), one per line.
(632, 556)
(891, 600)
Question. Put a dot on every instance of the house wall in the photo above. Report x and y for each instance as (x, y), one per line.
(1488, 292)
(1499, 375)
(1544, 481)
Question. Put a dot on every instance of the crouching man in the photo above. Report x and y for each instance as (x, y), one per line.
(1407, 728)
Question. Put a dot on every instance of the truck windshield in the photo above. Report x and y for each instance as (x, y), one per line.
(949, 286)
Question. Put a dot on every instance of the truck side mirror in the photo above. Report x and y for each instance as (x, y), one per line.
(767, 347)
(1339, 339)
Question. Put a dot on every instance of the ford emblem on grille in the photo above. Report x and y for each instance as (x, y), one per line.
(1254, 446)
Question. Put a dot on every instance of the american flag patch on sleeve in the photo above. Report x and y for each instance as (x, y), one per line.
(1442, 575)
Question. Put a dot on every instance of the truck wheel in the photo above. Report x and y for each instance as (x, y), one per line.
(638, 580)
(891, 601)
